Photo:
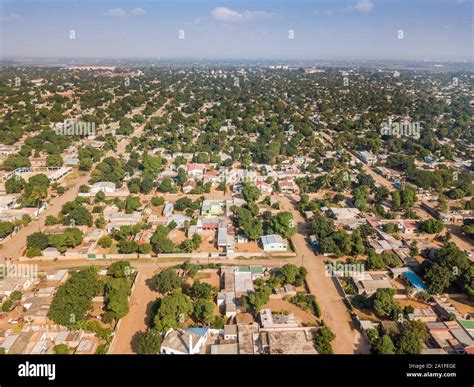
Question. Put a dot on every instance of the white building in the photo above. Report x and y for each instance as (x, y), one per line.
(103, 186)
(274, 242)
(187, 342)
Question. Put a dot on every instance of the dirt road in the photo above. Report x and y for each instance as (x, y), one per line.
(139, 317)
(13, 246)
(334, 312)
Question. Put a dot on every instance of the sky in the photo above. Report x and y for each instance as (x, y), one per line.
(239, 29)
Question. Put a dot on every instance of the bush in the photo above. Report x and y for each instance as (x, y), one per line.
(7, 305)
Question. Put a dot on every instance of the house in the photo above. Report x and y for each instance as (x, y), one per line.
(196, 170)
(179, 219)
(277, 320)
(7, 202)
(370, 283)
(189, 186)
(367, 157)
(273, 242)
(118, 219)
(224, 238)
(60, 173)
(347, 217)
(407, 227)
(288, 187)
(184, 342)
(38, 161)
(213, 207)
(168, 209)
(265, 188)
(230, 332)
(10, 284)
(103, 186)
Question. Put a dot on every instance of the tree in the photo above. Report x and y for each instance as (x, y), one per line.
(16, 295)
(412, 338)
(384, 303)
(166, 185)
(132, 203)
(374, 260)
(290, 273)
(203, 310)
(149, 342)
(105, 241)
(250, 193)
(7, 305)
(6, 228)
(201, 290)
(166, 281)
(323, 338)
(37, 240)
(61, 349)
(117, 291)
(438, 278)
(119, 269)
(385, 346)
(431, 226)
(74, 298)
(173, 311)
(282, 224)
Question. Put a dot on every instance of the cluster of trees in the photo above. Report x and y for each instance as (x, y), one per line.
(449, 265)
(74, 298)
(75, 214)
(379, 261)
(38, 241)
(6, 228)
(117, 291)
(468, 227)
(293, 275)
(33, 191)
(334, 242)
(322, 340)
(408, 342)
(431, 226)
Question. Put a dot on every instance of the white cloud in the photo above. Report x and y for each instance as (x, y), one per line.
(116, 12)
(362, 6)
(11, 16)
(224, 14)
(138, 12)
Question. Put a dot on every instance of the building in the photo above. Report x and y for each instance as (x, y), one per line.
(277, 320)
(7, 202)
(168, 209)
(347, 217)
(370, 283)
(274, 242)
(184, 342)
(288, 187)
(103, 186)
(179, 219)
(367, 157)
(265, 188)
(211, 208)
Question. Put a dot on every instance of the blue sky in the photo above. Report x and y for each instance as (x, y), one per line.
(243, 29)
